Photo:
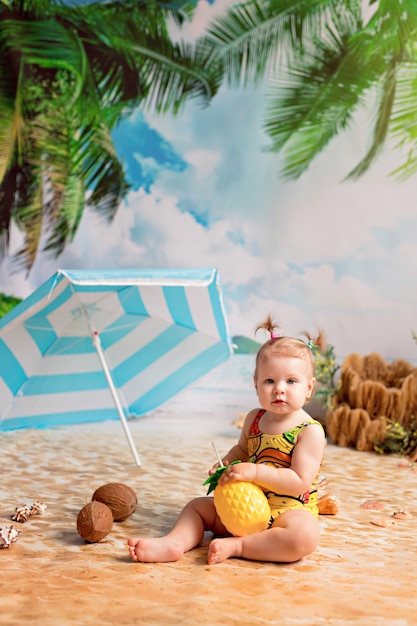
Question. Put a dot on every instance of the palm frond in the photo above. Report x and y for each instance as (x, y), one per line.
(315, 101)
(256, 37)
(403, 126)
(94, 155)
(62, 226)
(35, 8)
(68, 73)
(45, 44)
(392, 28)
(392, 31)
(172, 75)
(134, 61)
(386, 94)
(22, 198)
(28, 214)
(7, 138)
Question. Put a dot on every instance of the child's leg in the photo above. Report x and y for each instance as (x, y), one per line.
(188, 531)
(293, 535)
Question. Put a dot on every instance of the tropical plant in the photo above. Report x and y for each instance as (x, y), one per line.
(68, 74)
(398, 439)
(329, 60)
(7, 303)
(325, 370)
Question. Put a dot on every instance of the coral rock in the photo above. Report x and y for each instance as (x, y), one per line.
(373, 394)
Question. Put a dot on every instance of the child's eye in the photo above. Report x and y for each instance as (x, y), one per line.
(269, 381)
(291, 381)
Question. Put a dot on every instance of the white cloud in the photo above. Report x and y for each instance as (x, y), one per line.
(227, 134)
(149, 165)
(204, 162)
(317, 219)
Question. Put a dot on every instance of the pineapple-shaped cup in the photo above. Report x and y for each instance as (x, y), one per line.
(242, 507)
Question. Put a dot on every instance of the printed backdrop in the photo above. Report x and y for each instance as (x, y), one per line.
(320, 251)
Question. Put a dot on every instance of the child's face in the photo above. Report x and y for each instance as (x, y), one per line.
(283, 384)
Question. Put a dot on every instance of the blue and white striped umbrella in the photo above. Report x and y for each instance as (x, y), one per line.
(95, 345)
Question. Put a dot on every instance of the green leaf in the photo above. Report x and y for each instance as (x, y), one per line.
(214, 478)
(398, 439)
(254, 37)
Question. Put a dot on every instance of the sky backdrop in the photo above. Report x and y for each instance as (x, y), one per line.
(317, 252)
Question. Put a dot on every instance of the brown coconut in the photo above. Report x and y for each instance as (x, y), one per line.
(94, 521)
(120, 499)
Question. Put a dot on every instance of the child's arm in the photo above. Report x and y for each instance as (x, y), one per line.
(306, 460)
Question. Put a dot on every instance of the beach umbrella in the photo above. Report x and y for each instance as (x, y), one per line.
(90, 346)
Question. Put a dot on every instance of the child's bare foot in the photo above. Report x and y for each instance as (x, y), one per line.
(154, 550)
(222, 549)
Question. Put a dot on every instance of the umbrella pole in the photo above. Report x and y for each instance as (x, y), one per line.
(97, 344)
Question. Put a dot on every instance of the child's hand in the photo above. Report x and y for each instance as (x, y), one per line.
(216, 467)
(215, 473)
(242, 471)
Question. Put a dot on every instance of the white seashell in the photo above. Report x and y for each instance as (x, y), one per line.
(8, 535)
(38, 508)
(21, 514)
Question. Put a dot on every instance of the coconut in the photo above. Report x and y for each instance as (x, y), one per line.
(94, 521)
(120, 499)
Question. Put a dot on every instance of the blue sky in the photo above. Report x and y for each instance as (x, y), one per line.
(315, 252)
(144, 152)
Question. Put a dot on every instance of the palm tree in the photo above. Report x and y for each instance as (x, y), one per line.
(68, 74)
(328, 59)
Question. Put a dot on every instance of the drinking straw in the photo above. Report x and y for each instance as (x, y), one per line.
(218, 455)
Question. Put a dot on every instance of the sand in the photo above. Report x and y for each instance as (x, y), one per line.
(360, 574)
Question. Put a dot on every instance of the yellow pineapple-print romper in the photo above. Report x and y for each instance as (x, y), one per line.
(276, 450)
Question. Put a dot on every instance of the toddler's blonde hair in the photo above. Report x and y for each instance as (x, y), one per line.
(287, 346)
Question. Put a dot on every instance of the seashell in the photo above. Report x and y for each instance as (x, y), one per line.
(8, 535)
(400, 514)
(21, 514)
(383, 522)
(328, 505)
(373, 505)
(38, 508)
(120, 499)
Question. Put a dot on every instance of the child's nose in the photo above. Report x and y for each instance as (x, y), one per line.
(279, 388)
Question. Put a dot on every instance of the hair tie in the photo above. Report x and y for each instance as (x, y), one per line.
(273, 336)
(310, 344)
